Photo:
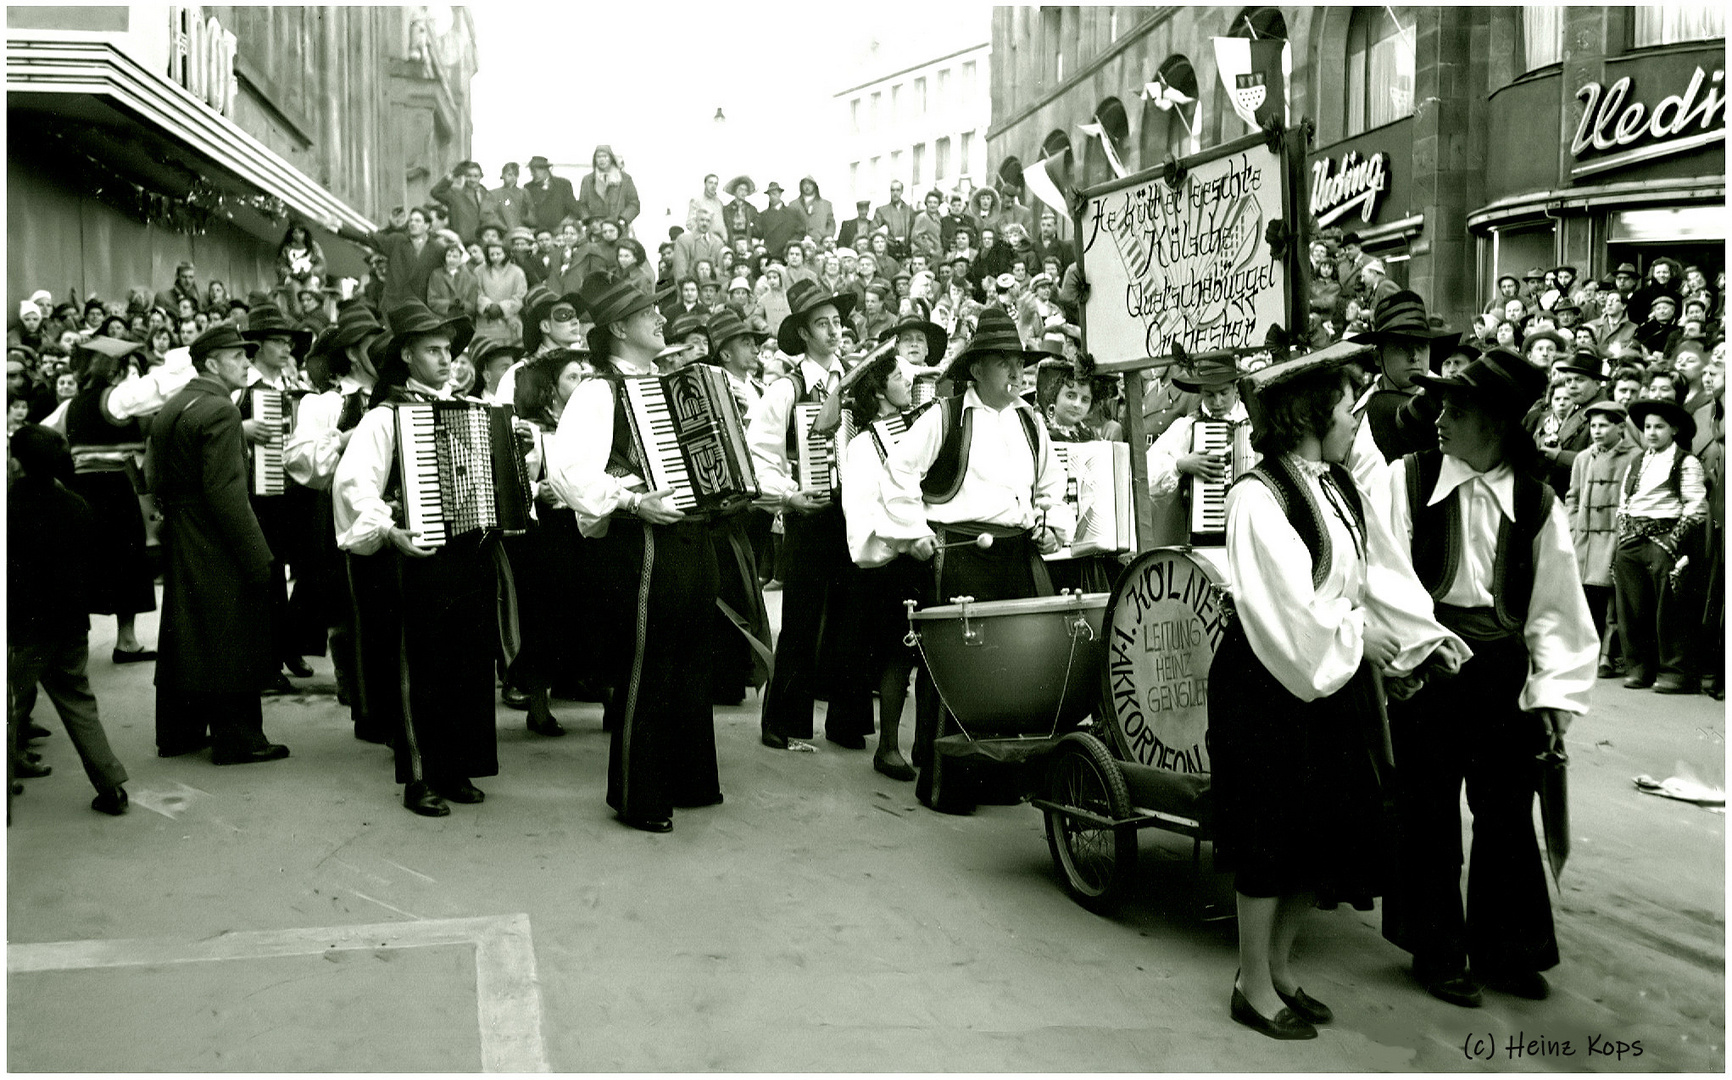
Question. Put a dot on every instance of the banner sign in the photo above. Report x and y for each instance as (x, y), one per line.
(1186, 264)
(1611, 120)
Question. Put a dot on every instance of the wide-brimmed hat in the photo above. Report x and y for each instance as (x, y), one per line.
(725, 326)
(1536, 273)
(994, 334)
(1563, 345)
(1400, 315)
(936, 338)
(267, 320)
(803, 298)
(1256, 388)
(105, 346)
(607, 301)
(1456, 347)
(1500, 379)
(486, 349)
(1202, 375)
(355, 322)
(1582, 362)
(686, 322)
(412, 318)
(1669, 411)
(220, 336)
(751, 188)
(1561, 269)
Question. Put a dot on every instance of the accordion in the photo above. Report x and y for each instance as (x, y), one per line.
(689, 437)
(817, 458)
(1208, 497)
(461, 470)
(924, 388)
(1098, 486)
(270, 408)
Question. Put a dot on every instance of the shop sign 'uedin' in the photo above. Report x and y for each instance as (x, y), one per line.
(1611, 121)
(1185, 264)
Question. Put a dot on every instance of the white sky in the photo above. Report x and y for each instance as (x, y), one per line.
(647, 78)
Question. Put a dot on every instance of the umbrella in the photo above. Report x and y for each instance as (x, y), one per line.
(751, 188)
(1554, 790)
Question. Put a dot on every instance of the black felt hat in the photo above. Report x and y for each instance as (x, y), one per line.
(1500, 379)
(1669, 411)
(267, 320)
(412, 318)
(995, 333)
(804, 298)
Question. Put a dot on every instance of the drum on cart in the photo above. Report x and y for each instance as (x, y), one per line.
(1145, 762)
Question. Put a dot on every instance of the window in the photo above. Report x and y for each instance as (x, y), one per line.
(1051, 42)
(854, 114)
(969, 86)
(877, 99)
(1543, 35)
(944, 102)
(876, 171)
(1380, 63)
(919, 162)
(1667, 24)
(854, 178)
(920, 96)
(896, 104)
(941, 159)
(1113, 25)
(965, 151)
(895, 164)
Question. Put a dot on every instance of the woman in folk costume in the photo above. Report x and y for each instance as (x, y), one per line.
(1324, 602)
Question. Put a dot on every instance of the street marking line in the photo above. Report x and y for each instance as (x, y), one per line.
(507, 990)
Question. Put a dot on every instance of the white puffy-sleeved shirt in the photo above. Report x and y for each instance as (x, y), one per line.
(1003, 485)
(1563, 649)
(311, 454)
(863, 502)
(362, 517)
(1175, 443)
(577, 454)
(1312, 639)
(138, 395)
(767, 428)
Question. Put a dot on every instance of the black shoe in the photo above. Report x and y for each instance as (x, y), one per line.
(774, 741)
(513, 698)
(1715, 689)
(34, 731)
(1458, 988)
(419, 798)
(1285, 1025)
(111, 801)
(139, 656)
(1309, 1008)
(550, 727)
(656, 825)
(1638, 680)
(298, 667)
(30, 770)
(1607, 670)
(847, 742)
(462, 791)
(894, 770)
(1523, 984)
(279, 686)
(269, 752)
(342, 695)
(716, 801)
(1677, 684)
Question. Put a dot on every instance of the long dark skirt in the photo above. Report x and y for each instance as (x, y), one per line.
(121, 581)
(1298, 802)
(555, 605)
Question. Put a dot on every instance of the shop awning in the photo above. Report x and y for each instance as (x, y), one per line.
(43, 73)
(1674, 224)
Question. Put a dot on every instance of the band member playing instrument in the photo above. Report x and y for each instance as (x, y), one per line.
(979, 462)
(655, 569)
(1492, 544)
(1295, 732)
(1215, 382)
(426, 616)
(820, 589)
(215, 644)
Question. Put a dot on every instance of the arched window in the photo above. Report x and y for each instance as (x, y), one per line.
(1259, 22)
(1116, 126)
(1057, 145)
(1380, 62)
(1170, 113)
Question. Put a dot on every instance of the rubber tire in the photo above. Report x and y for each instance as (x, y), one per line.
(1082, 773)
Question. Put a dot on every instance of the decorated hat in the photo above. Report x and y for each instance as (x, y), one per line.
(725, 326)
(732, 186)
(936, 338)
(267, 320)
(1499, 379)
(1204, 374)
(220, 336)
(1669, 411)
(1254, 388)
(803, 298)
(994, 334)
(412, 319)
(1400, 315)
(486, 349)
(521, 232)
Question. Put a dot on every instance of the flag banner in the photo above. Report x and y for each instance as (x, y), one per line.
(1255, 74)
(1097, 130)
(1038, 179)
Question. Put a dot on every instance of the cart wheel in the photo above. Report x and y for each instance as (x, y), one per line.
(1097, 863)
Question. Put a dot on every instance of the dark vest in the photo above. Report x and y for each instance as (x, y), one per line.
(1632, 479)
(803, 395)
(944, 479)
(86, 426)
(1294, 497)
(1437, 538)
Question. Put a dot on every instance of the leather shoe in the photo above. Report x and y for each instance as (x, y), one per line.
(1458, 989)
(461, 791)
(279, 686)
(419, 798)
(549, 727)
(298, 667)
(34, 731)
(1309, 1008)
(268, 752)
(111, 801)
(1677, 684)
(1523, 984)
(774, 741)
(894, 770)
(513, 698)
(1637, 680)
(23, 769)
(1285, 1025)
(655, 825)
(1606, 670)
(121, 656)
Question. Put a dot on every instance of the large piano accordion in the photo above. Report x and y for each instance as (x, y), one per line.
(1098, 486)
(1208, 497)
(690, 439)
(270, 408)
(462, 470)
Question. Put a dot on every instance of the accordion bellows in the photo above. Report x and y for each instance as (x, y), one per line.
(461, 470)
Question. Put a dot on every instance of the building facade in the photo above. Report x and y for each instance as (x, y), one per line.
(924, 125)
(143, 135)
(1459, 142)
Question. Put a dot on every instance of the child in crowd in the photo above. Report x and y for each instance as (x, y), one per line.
(1592, 504)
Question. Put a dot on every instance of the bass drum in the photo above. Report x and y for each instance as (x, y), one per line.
(1168, 614)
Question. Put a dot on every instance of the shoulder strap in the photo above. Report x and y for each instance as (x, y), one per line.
(944, 478)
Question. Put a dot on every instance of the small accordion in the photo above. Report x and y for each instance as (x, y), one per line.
(690, 438)
(817, 460)
(271, 408)
(461, 470)
(923, 388)
(1208, 497)
(1098, 486)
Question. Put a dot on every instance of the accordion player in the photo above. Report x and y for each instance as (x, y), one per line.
(690, 438)
(461, 470)
(1201, 454)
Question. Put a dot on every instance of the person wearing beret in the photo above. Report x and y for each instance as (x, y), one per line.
(215, 646)
(1491, 543)
(428, 624)
(1662, 510)
(1592, 505)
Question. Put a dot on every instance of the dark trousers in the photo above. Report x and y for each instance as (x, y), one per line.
(658, 585)
(1654, 619)
(1602, 605)
(233, 722)
(283, 529)
(819, 650)
(1469, 729)
(60, 666)
(731, 655)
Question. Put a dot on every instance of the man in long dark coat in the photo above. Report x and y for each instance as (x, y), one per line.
(215, 644)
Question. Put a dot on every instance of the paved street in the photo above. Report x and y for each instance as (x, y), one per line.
(820, 920)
